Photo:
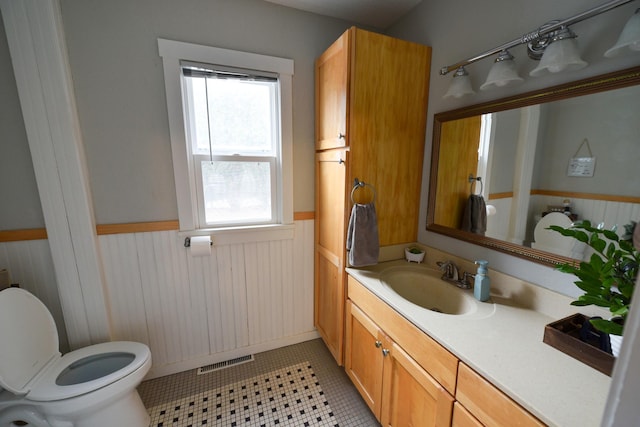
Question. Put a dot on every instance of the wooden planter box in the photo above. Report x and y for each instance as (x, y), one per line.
(564, 335)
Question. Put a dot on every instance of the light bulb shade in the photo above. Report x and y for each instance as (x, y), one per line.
(561, 55)
(460, 85)
(629, 37)
(502, 73)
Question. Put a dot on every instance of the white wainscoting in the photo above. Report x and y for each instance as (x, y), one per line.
(30, 265)
(192, 311)
(597, 211)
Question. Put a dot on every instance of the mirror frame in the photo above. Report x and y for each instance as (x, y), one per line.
(610, 81)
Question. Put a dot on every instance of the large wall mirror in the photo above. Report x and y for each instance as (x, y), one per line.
(512, 167)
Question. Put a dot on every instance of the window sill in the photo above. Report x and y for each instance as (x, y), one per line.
(238, 235)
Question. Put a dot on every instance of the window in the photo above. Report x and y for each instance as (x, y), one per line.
(230, 123)
(233, 128)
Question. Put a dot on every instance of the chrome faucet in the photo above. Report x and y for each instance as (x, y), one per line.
(451, 273)
(450, 270)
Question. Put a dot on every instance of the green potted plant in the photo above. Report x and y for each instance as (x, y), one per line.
(608, 278)
(414, 254)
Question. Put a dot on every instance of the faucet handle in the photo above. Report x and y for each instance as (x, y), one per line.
(450, 269)
(466, 279)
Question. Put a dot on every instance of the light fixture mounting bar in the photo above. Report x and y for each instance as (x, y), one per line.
(536, 34)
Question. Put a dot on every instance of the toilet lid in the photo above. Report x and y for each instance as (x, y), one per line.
(552, 239)
(28, 339)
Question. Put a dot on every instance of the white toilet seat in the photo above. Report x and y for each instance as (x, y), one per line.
(46, 389)
(93, 386)
(30, 362)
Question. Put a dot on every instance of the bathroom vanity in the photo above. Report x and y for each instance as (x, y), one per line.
(486, 365)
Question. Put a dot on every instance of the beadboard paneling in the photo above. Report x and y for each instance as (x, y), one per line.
(597, 211)
(609, 212)
(244, 298)
(190, 310)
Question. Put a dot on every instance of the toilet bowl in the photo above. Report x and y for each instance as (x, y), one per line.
(554, 242)
(94, 386)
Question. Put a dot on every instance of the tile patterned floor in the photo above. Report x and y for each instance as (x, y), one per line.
(290, 395)
(270, 397)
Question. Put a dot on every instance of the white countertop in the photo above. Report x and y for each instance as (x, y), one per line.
(502, 341)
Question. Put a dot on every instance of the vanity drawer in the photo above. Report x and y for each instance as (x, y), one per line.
(488, 404)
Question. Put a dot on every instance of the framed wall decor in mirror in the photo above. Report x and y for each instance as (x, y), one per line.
(554, 156)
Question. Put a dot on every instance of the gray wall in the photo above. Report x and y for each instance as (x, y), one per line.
(19, 198)
(616, 147)
(120, 90)
(504, 150)
(119, 87)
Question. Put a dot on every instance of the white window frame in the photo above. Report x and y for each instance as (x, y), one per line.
(172, 53)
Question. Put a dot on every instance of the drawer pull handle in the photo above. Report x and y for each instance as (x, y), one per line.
(385, 352)
(378, 344)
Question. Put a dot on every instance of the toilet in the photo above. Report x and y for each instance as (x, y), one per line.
(94, 386)
(554, 242)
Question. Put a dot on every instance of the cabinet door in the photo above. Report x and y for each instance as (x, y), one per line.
(330, 249)
(462, 417)
(410, 396)
(363, 358)
(389, 83)
(332, 94)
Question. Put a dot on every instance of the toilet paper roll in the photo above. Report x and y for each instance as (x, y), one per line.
(200, 246)
(5, 281)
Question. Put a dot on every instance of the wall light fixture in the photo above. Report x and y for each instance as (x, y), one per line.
(553, 43)
(629, 37)
(460, 85)
(502, 73)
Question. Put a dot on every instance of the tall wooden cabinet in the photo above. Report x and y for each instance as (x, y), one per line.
(371, 99)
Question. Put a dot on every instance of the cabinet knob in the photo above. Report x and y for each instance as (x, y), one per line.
(378, 344)
(341, 136)
(385, 352)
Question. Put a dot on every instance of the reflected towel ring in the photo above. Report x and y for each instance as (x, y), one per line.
(473, 179)
(360, 184)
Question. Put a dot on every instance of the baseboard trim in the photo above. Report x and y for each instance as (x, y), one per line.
(185, 365)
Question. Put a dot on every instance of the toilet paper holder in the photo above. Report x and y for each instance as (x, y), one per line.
(187, 242)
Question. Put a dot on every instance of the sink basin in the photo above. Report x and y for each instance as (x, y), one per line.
(424, 287)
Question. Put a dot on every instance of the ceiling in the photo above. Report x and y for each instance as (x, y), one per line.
(375, 13)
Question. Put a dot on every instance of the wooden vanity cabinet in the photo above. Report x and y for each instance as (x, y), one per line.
(408, 379)
(371, 98)
(488, 405)
(398, 390)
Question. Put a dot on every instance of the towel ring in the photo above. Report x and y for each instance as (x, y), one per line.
(360, 184)
(473, 179)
